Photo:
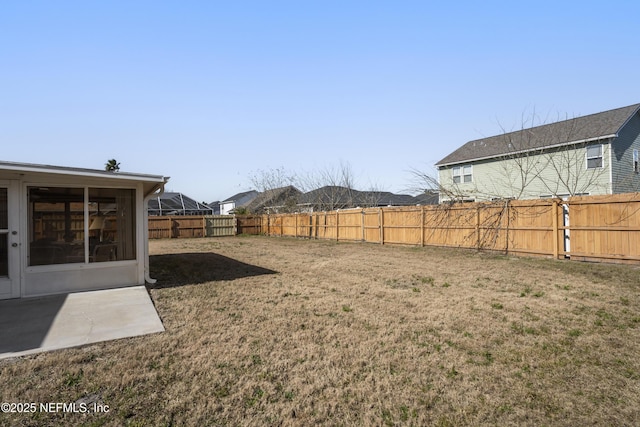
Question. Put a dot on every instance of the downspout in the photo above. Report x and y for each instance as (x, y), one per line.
(157, 191)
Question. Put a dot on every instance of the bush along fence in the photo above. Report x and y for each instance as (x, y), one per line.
(596, 228)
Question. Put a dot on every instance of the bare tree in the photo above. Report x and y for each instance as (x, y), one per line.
(330, 188)
(427, 183)
(270, 179)
(373, 196)
(528, 163)
(531, 162)
(542, 159)
(278, 192)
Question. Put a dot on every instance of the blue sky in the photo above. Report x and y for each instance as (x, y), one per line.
(208, 92)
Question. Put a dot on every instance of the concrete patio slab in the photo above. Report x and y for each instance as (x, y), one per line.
(33, 325)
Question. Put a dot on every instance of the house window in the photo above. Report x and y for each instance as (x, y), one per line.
(594, 156)
(636, 161)
(56, 225)
(65, 227)
(462, 174)
(466, 173)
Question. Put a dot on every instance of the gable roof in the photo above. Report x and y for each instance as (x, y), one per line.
(592, 127)
(242, 199)
(328, 195)
(273, 198)
(337, 197)
(386, 198)
(429, 197)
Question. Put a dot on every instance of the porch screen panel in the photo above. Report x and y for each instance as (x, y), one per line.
(111, 224)
(4, 233)
(56, 225)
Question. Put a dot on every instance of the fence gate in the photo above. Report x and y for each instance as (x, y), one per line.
(220, 225)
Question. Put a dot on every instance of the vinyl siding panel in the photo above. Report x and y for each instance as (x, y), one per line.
(625, 180)
(561, 172)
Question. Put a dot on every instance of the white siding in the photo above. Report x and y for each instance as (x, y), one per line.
(58, 278)
(625, 179)
(226, 208)
(80, 277)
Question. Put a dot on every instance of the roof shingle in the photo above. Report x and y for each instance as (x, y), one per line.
(584, 128)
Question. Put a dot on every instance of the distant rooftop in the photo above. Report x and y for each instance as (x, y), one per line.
(171, 203)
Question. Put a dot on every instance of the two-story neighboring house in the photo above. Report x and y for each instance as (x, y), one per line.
(588, 155)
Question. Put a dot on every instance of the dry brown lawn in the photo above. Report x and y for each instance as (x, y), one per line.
(267, 331)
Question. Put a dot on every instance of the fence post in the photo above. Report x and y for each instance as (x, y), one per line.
(337, 226)
(554, 212)
(422, 215)
(362, 222)
(296, 230)
(381, 224)
(478, 226)
(314, 230)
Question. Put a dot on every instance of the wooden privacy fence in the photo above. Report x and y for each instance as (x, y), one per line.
(249, 224)
(164, 227)
(605, 228)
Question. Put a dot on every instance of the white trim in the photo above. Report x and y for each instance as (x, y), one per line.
(461, 173)
(157, 191)
(86, 226)
(14, 278)
(75, 266)
(61, 170)
(587, 158)
(628, 118)
(470, 174)
(115, 186)
(456, 172)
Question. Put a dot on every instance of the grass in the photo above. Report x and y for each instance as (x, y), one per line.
(266, 331)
